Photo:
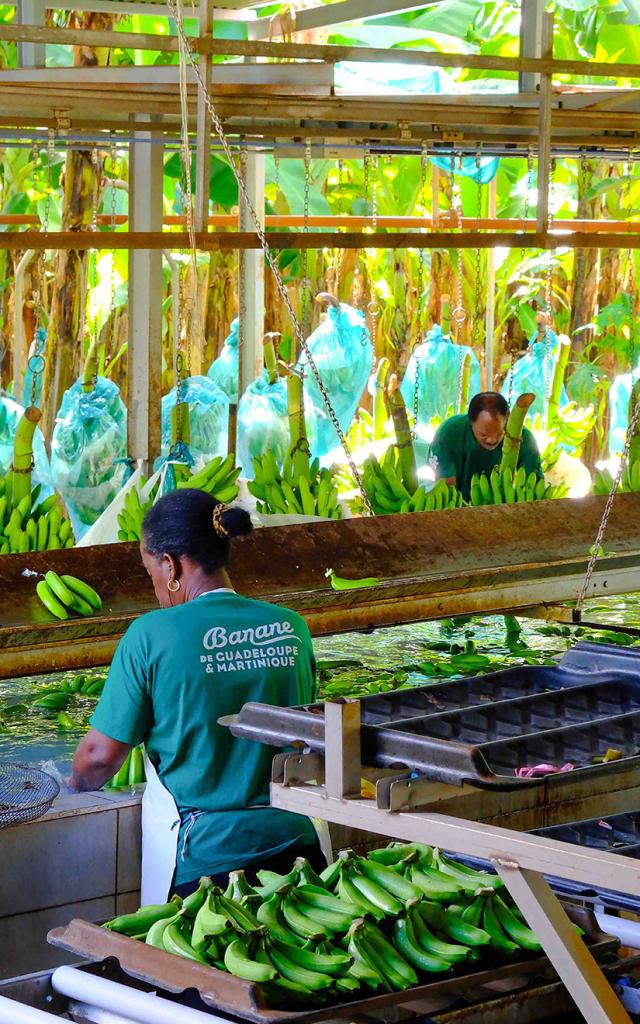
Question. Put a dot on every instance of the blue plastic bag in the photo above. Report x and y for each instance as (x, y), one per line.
(533, 372)
(342, 351)
(88, 443)
(483, 171)
(208, 419)
(10, 413)
(263, 423)
(434, 371)
(224, 370)
(619, 396)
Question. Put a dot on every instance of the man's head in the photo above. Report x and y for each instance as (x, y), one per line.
(488, 413)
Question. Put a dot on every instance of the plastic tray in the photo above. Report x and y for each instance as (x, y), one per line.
(481, 730)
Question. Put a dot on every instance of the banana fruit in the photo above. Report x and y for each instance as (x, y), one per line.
(64, 595)
(504, 487)
(298, 487)
(379, 923)
(389, 495)
(629, 481)
(130, 773)
(131, 516)
(30, 525)
(219, 478)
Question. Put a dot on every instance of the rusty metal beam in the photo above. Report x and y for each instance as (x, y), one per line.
(430, 565)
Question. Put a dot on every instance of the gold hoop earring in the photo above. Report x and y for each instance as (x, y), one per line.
(174, 586)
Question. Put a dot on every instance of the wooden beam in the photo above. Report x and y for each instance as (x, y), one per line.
(324, 52)
(286, 220)
(213, 240)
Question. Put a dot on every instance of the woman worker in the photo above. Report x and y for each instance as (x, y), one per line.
(174, 674)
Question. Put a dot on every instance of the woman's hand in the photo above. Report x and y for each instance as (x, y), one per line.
(96, 760)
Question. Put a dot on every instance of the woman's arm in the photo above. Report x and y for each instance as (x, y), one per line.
(96, 760)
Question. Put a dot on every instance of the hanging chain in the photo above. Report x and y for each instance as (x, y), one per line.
(458, 314)
(424, 155)
(276, 176)
(112, 281)
(191, 311)
(373, 308)
(374, 194)
(305, 283)
(548, 354)
(339, 251)
(219, 129)
(36, 361)
(595, 551)
(416, 384)
(523, 255)
(37, 297)
(477, 309)
(242, 282)
(631, 270)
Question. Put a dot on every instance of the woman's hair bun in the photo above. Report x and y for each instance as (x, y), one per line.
(236, 521)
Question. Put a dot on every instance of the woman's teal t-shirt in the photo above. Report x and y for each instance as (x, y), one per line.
(175, 673)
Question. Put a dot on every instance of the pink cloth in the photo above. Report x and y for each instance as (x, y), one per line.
(538, 770)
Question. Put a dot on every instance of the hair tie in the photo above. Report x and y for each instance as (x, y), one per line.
(218, 525)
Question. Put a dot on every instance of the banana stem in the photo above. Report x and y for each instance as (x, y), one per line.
(559, 371)
(90, 371)
(445, 314)
(270, 360)
(634, 444)
(295, 409)
(23, 454)
(465, 383)
(404, 440)
(513, 435)
(380, 414)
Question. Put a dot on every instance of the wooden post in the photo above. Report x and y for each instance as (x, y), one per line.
(145, 304)
(203, 126)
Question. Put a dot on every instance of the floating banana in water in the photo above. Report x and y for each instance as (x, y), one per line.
(339, 583)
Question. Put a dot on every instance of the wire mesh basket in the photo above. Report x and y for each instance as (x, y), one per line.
(26, 793)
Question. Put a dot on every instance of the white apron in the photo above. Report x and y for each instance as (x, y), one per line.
(160, 828)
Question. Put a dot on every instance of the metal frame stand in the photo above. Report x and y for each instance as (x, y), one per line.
(521, 860)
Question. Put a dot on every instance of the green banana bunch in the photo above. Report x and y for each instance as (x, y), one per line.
(307, 946)
(389, 495)
(504, 487)
(130, 773)
(131, 516)
(62, 595)
(24, 524)
(368, 944)
(219, 478)
(137, 925)
(570, 427)
(629, 481)
(29, 525)
(298, 487)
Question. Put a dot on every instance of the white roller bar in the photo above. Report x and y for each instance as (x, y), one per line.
(134, 1005)
(12, 1012)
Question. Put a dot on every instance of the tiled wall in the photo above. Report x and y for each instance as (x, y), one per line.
(82, 859)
